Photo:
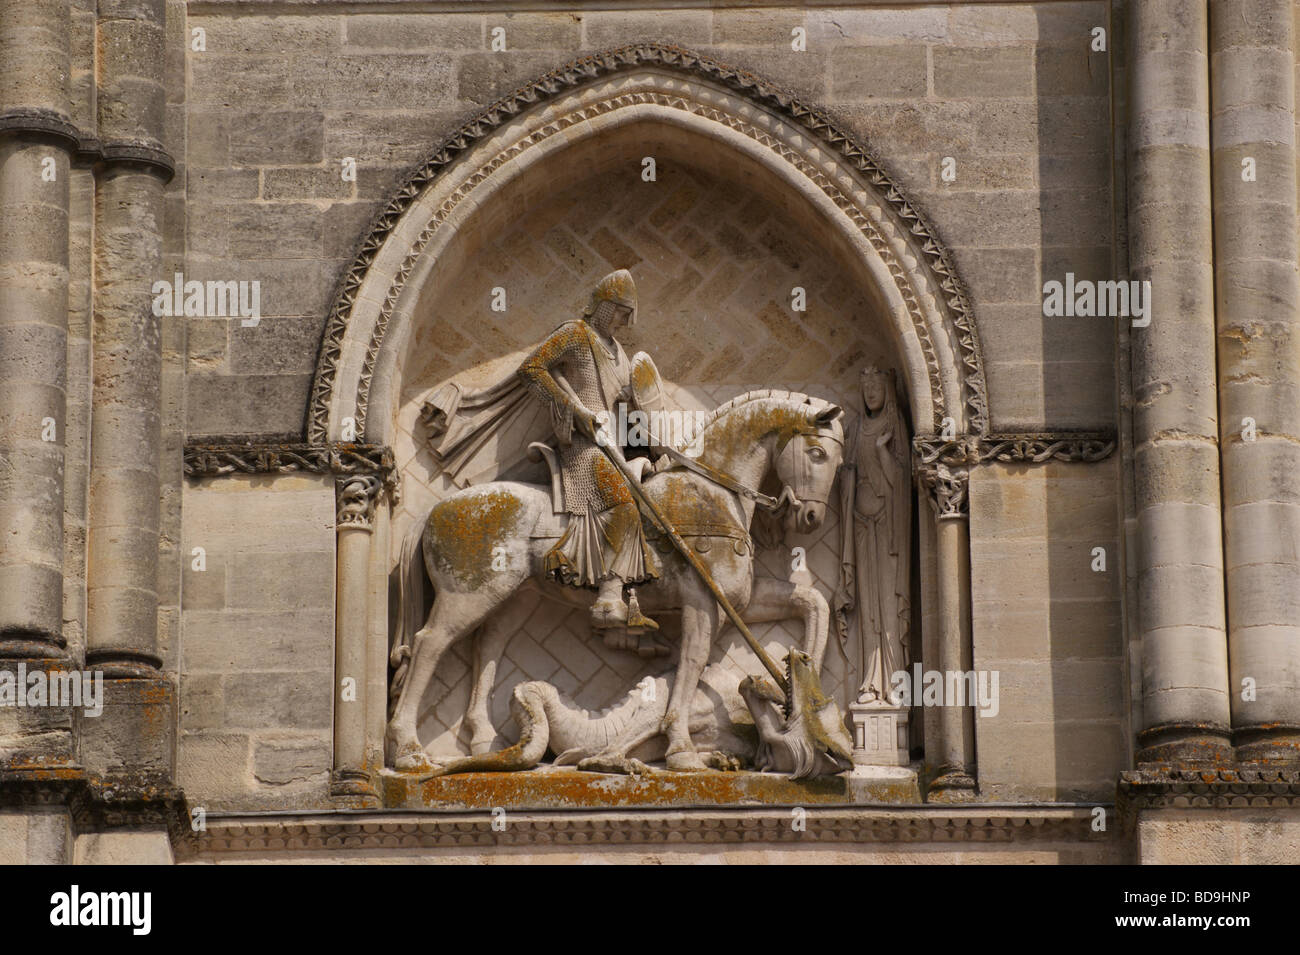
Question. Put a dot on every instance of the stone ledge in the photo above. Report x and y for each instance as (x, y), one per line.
(1209, 787)
(563, 788)
(353, 831)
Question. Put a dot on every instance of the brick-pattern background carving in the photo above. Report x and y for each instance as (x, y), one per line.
(715, 264)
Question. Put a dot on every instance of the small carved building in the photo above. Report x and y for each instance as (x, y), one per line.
(1015, 286)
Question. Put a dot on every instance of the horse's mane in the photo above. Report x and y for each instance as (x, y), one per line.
(797, 397)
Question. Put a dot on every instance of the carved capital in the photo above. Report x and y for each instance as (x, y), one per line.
(947, 490)
(356, 496)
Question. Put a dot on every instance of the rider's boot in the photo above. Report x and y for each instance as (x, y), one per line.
(609, 610)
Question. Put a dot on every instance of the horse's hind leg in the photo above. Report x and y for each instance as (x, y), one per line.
(453, 615)
(772, 600)
(700, 619)
(489, 645)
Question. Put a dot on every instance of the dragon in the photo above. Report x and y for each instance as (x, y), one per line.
(813, 742)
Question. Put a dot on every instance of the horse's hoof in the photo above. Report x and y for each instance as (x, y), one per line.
(412, 758)
(686, 761)
(722, 761)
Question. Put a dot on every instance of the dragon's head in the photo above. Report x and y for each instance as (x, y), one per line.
(805, 737)
(817, 719)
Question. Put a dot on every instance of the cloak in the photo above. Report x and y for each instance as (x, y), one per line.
(483, 434)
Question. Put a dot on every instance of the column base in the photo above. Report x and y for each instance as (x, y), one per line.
(35, 735)
(135, 733)
(1275, 743)
(953, 785)
(1185, 743)
(879, 734)
(355, 787)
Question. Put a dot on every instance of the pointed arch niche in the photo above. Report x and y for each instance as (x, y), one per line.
(551, 157)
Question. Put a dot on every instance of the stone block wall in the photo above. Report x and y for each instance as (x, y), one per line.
(258, 651)
(1050, 626)
(1012, 93)
(276, 103)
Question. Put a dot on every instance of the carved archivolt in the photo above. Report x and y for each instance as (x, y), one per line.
(571, 101)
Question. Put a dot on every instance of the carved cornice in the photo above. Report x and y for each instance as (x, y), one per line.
(1212, 787)
(968, 449)
(337, 458)
(655, 828)
(145, 801)
(936, 260)
(84, 149)
(947, 490)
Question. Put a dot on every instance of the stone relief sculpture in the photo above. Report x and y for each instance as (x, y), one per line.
(582, 541)
(876, 528)
(548, 720)
(873, 598)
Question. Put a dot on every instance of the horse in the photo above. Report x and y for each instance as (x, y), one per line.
(483, 544)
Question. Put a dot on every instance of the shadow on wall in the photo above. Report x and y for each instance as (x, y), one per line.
(1081, 501)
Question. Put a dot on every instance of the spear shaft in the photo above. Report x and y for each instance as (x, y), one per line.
(692, 558)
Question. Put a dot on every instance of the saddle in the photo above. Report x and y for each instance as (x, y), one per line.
(541, 451)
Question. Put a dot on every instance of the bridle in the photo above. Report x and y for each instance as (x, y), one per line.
(765, 501)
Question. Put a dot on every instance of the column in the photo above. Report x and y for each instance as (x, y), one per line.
(37, 141)
(1175, 457)
(122, 569)
(357, 497)
(377, 637)
(955, 780)
(1252, 70)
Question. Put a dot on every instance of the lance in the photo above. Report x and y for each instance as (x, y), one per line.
(605, 443)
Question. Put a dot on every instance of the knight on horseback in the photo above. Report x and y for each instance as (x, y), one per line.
(582, 374)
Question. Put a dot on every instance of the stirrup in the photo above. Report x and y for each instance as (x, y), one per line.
(637, 622)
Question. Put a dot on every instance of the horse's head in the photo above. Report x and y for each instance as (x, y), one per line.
(808, 456)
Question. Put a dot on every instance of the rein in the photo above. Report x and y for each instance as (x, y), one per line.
(766, 501)
(723, 479)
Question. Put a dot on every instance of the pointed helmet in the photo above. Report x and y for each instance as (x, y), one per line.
(616, 287)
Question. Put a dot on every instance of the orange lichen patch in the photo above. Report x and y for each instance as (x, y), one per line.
(643, 377)
(463, 530)
(735, 434)
(565, 788)
(622, 523)
(611, 486)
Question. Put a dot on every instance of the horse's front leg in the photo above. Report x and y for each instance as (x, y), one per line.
(774, 599)
(700, 619)
(488, 649)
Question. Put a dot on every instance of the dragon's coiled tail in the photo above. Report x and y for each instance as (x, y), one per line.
(528, 706)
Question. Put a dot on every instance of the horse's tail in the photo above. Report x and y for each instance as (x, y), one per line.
(412, 579)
